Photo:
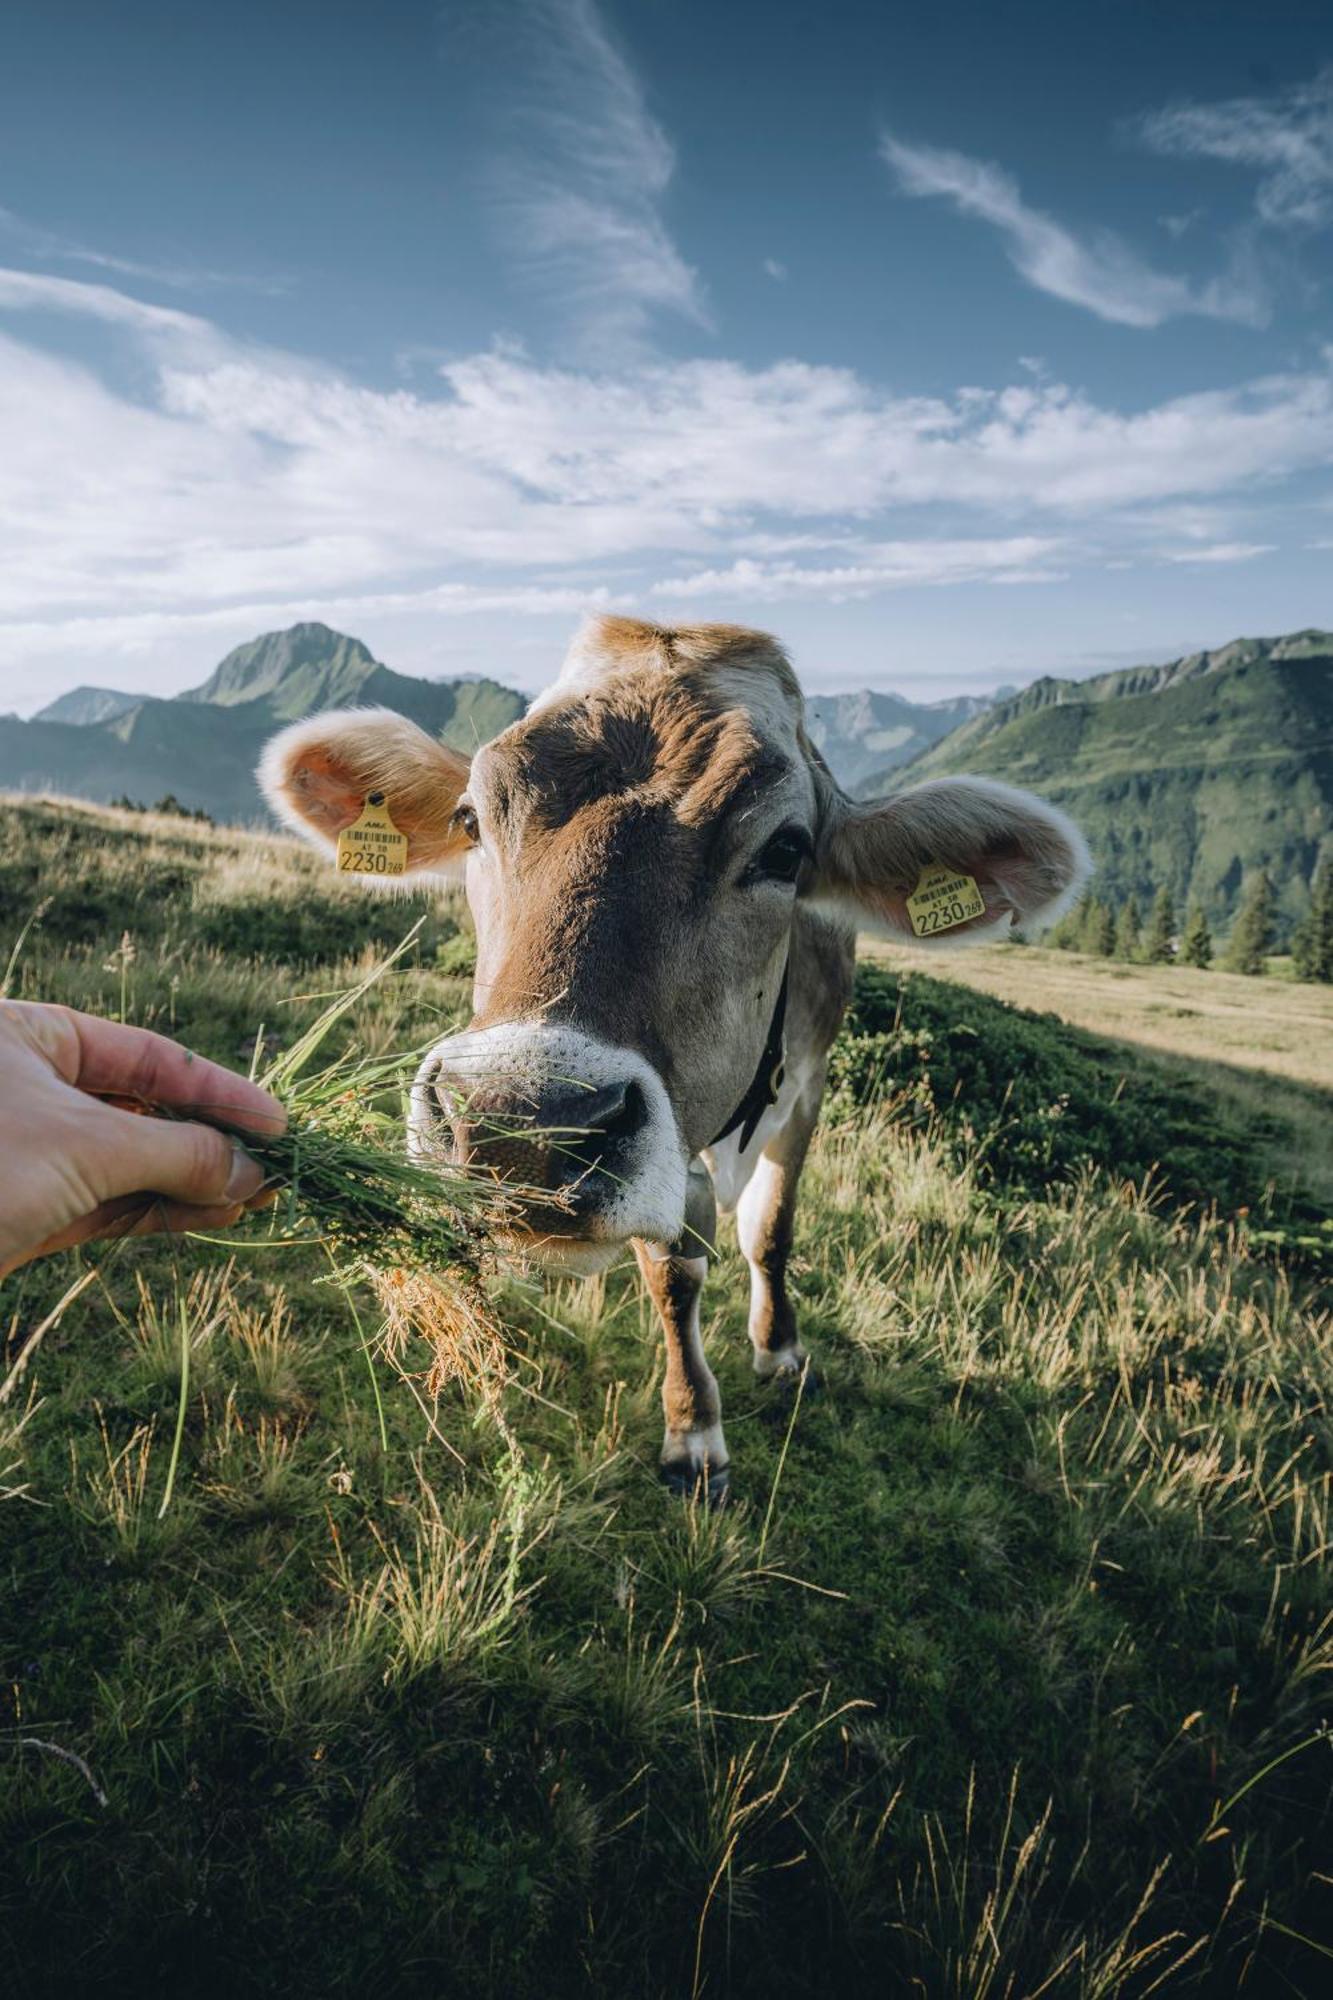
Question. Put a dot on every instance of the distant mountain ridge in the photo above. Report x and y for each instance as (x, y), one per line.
(1186, 775)
(83, 706)
(867, 731)
(203, 745)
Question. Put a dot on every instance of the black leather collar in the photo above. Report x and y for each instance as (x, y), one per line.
(767, 1079)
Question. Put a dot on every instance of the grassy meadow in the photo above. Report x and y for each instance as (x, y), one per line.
(1263, 1047)
(1006, 1673)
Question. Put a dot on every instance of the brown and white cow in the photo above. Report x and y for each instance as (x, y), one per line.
(666, 883)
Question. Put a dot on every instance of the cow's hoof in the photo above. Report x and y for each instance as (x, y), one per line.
(706, 1485)
(787, 1372)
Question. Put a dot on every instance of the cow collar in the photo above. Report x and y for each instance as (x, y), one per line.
(767, 1079)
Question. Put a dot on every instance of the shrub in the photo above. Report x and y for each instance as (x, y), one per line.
(1028, 1099)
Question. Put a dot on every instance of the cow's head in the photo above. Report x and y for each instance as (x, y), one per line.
(635, 850)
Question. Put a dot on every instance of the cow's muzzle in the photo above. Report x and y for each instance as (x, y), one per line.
(581, 1134)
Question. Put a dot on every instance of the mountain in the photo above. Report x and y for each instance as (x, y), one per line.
(203, 745)
(85, 705)
(864, 731)
(309, 667)
(1188, 774)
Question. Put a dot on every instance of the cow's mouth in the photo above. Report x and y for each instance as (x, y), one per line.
(579, 1137)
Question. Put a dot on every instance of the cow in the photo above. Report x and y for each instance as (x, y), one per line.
(666, 883)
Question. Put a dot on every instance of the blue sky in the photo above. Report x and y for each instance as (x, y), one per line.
(956, 345)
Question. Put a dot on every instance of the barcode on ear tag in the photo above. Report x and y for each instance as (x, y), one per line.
(941, 899)
(372, 844)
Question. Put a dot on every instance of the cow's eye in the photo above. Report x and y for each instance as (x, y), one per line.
(465, 822)
(782, 856)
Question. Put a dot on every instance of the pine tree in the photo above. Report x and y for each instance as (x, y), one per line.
(1128, 931)
(1312, 940)
(1159, 943)
(1067, 934)
(1196, 946)
(1098, 933)
(1253, 931)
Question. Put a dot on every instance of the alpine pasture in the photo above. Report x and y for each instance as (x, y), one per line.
(1005, 1673)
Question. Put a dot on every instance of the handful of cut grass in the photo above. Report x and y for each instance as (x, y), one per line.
(339, 1168)
(341, 1163)
(368, 1202)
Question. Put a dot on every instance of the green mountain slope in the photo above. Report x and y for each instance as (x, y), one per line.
(1188, 774)
(203, 745)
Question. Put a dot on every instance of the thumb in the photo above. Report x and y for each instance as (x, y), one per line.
(186, 1162)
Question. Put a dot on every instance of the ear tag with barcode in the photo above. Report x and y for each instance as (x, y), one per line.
(943, 898)
(372, 844)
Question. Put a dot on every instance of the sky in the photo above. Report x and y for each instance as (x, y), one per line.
(956, 344)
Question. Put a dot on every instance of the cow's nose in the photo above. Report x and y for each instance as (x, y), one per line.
(564, 1139)
(584, 1123)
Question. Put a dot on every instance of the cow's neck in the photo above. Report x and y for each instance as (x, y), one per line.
(767, 1079)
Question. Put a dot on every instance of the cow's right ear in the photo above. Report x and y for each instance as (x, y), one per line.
(318, 774)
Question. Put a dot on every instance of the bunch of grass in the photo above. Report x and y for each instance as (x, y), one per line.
(455, 1320)
(339, 1167)
(344, 1187)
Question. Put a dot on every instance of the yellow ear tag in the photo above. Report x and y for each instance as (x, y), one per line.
(372, 844)
(942, 899)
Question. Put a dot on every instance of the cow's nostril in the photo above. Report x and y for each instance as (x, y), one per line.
(623, 1118)
(586, 1129)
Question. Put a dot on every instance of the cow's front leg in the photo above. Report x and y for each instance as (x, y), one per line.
(765, 1217)
(694, 1451)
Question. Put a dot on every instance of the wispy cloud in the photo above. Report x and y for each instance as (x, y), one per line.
(1100, 273)
(1287, 136)
(583, 197)
(38, 291)
(1220, 552)
(49, 247)
(882, 566)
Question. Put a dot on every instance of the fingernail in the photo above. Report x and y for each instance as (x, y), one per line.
(246, 1176)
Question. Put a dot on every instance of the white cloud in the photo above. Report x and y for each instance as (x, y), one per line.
(128, 634)
(883, 566)
(51, 247)
(34, 291)
(774, 268)
(1287, 136)
(230, 483)
(1102, 274)
(1220, 552)
(583, 199)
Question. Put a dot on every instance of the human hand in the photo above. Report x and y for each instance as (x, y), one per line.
(73, 1166)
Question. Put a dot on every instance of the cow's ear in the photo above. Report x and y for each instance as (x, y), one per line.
(1025, 862)
(318, 774)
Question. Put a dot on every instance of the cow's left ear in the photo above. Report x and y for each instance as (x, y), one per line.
(903, 866)
(318, 775)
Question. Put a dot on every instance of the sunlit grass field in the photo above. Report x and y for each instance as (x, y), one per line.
(1006, 1673)
(1260, 1044)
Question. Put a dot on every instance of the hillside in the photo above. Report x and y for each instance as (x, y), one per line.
(1005, 1673)
(203, 745)
(1188, 774)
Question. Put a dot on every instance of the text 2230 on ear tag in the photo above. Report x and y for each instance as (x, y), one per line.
(372, 844)
(943, 898)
